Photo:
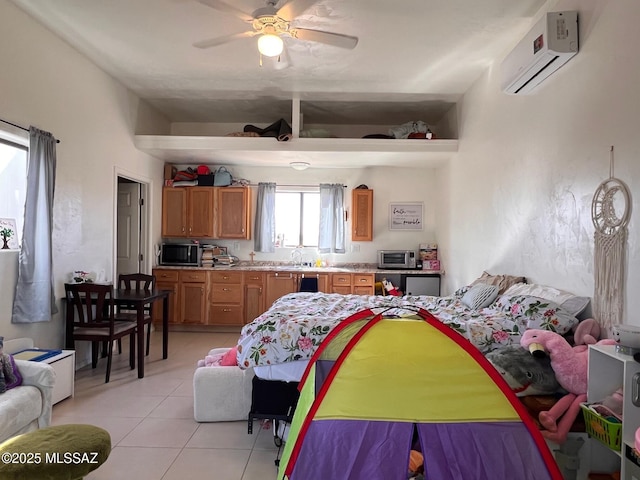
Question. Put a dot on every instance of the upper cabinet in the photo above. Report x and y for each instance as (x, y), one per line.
(362, 215)
(204, 212)
(233, 216)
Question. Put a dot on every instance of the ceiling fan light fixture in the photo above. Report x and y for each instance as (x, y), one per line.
(270, 45)
(299, 165)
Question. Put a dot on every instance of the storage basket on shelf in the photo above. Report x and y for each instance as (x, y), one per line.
(606, 431)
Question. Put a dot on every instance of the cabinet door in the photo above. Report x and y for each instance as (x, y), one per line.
(233, 216)
(277, 285)
(193, 303)
(167, 279)
(174, 212)
(200, 212)
(253, 302)
(323, 282)
(362, 218)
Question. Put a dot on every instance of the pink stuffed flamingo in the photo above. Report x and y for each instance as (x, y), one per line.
(570, 365)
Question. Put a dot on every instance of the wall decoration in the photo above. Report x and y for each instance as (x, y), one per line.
(610, 213)
(405, 216)
(8, 234)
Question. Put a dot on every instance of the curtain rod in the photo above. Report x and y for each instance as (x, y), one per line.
(290, 185)
(20, 127)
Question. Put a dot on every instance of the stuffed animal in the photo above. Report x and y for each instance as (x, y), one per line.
(525, 374)
(570, 365)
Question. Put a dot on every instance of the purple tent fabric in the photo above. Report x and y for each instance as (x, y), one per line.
(361, 450)
(480, 451)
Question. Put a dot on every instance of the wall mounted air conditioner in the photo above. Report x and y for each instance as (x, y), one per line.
(549, 45)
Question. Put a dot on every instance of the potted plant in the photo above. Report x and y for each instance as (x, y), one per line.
(6, 234)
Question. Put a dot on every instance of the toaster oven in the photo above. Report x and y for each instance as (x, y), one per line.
(397, 259)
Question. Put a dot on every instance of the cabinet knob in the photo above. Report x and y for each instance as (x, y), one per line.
(226, 309)
(226, 289)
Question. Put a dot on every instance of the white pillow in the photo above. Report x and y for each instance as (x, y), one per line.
(480, 295)
(554, 295)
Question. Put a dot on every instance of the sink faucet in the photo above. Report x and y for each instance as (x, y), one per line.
(296, 256)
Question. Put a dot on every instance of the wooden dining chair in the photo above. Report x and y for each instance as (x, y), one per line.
(128, 313)
(90, 317)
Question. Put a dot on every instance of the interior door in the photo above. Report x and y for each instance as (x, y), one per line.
(129, 227)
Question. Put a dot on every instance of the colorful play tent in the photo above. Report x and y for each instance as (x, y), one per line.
(377, 383)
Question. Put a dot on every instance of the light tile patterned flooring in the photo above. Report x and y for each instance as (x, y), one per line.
(150, 420)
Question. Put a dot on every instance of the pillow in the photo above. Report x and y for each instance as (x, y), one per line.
(8, 377)
(16, 374)
(230, 359)
(535, 312)
(571, 303)
(479, 296)
(503, 282)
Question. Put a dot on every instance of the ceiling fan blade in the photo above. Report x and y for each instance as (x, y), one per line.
(293, 8)
(335, 39)
(225, 7)
(213, 42)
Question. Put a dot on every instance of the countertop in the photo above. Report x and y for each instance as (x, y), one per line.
(284, 267)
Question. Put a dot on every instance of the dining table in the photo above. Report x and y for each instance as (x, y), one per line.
(139, 299)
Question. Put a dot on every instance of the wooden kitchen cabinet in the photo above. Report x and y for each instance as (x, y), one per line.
(226, 298)
(363, 283)
(254, 296)
(341, 283)
(233, 205)
(278, 284)
(192, 297)
(167, 279)
(362, 215)
(188, 212)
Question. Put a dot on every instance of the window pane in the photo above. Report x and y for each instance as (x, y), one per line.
(287, 219)
(13, 184)
(310, 219)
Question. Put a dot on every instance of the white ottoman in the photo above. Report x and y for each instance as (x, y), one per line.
(221, 394)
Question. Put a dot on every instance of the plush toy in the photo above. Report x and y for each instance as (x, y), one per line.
(525, 373)
(570, 365)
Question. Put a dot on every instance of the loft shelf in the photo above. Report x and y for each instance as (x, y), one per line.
(320, 152)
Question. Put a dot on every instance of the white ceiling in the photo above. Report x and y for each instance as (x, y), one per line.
(426, 52)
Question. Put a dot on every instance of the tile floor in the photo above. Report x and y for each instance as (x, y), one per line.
(153, 433)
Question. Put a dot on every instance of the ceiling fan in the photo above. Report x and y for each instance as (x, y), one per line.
(271, 24)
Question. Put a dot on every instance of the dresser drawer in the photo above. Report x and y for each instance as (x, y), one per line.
(226, 293)
(225, 315)
(341, 279)
(253, 278)
(167, 275)
(193, 276)
(226, 277)
(363, 279)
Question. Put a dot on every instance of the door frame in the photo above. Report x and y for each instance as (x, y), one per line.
(145, 220)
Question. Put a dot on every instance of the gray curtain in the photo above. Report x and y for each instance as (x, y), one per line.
(332, 237)
(265, 227)
(34, 298)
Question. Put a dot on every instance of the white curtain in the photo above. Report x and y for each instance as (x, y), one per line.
(332, 236)
(34, 298)
(265, 226)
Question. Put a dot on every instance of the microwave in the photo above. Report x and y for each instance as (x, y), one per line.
(398, 259)
(180, 254)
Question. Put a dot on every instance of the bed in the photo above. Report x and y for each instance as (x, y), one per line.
(279, 343)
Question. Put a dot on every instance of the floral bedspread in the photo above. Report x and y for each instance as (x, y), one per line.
(296, 323)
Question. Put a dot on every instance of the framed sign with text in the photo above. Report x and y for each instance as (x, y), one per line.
(405, 216)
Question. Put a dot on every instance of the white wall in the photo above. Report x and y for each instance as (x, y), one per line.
(48, 84)
(389, 185)
(519, 190)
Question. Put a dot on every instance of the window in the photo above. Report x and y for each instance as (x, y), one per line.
(13, 180)
(297, 217)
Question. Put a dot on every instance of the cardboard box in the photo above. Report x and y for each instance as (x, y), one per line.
(169, 171)
(428, 251)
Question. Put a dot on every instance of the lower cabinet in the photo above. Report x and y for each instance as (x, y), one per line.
(225, 298)
(193, 298)
(353, 283)
(254, 296)
(167, 280)
(278, 284)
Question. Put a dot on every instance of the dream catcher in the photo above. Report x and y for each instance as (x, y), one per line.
(610, 212)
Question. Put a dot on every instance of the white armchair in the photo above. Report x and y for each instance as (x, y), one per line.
(28, 406)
